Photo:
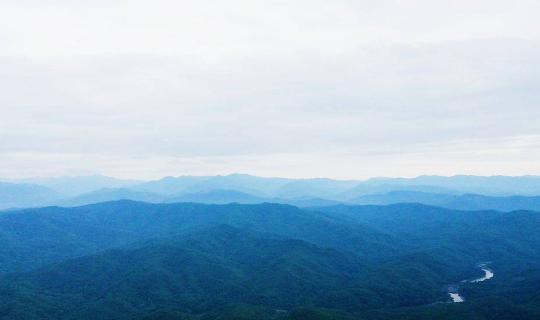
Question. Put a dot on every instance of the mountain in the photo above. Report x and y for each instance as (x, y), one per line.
(109, 194)
(85, 189)
(314, 188)
(135, 260)
(458, 202)
(306, 202)
(487, 185)
(35, 237)
(231, 196)
(257, 186)
(218, 196)
(457, 192)
(76, 185)
(172, 185)
(509, 237)
(215, 267)
(235, 182)
(194, 273)
(368, 189)
(14, 195)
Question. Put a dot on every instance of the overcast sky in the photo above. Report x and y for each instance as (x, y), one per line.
(342, 89)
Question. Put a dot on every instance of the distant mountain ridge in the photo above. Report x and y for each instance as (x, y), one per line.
(13, 195)
(259, 186)
(487, 185)
(69, 186)
(458, 192)
(452, 201)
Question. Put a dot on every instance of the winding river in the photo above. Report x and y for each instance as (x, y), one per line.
(453, 290)
(456, 297)
(488, 275)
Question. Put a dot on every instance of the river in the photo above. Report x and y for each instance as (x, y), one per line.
(488, 275)
(456, 297)
(453, 290)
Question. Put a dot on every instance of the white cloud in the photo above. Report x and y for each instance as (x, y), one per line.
(341, 88)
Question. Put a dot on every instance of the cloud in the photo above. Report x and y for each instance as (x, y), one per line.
(310, 88)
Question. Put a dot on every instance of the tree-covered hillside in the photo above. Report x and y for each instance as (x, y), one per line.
(134, 260)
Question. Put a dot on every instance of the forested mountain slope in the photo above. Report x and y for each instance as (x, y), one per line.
(134, 260)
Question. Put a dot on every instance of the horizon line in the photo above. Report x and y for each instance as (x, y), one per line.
(100, 175)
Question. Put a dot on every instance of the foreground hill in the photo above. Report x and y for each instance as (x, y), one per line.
(214, 268)
(35, 237)
(133, 260)
(195, 273)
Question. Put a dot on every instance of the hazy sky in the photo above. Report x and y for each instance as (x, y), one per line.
(343, 89)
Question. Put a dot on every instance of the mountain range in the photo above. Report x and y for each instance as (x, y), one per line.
(136, 260)
(459, 192)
